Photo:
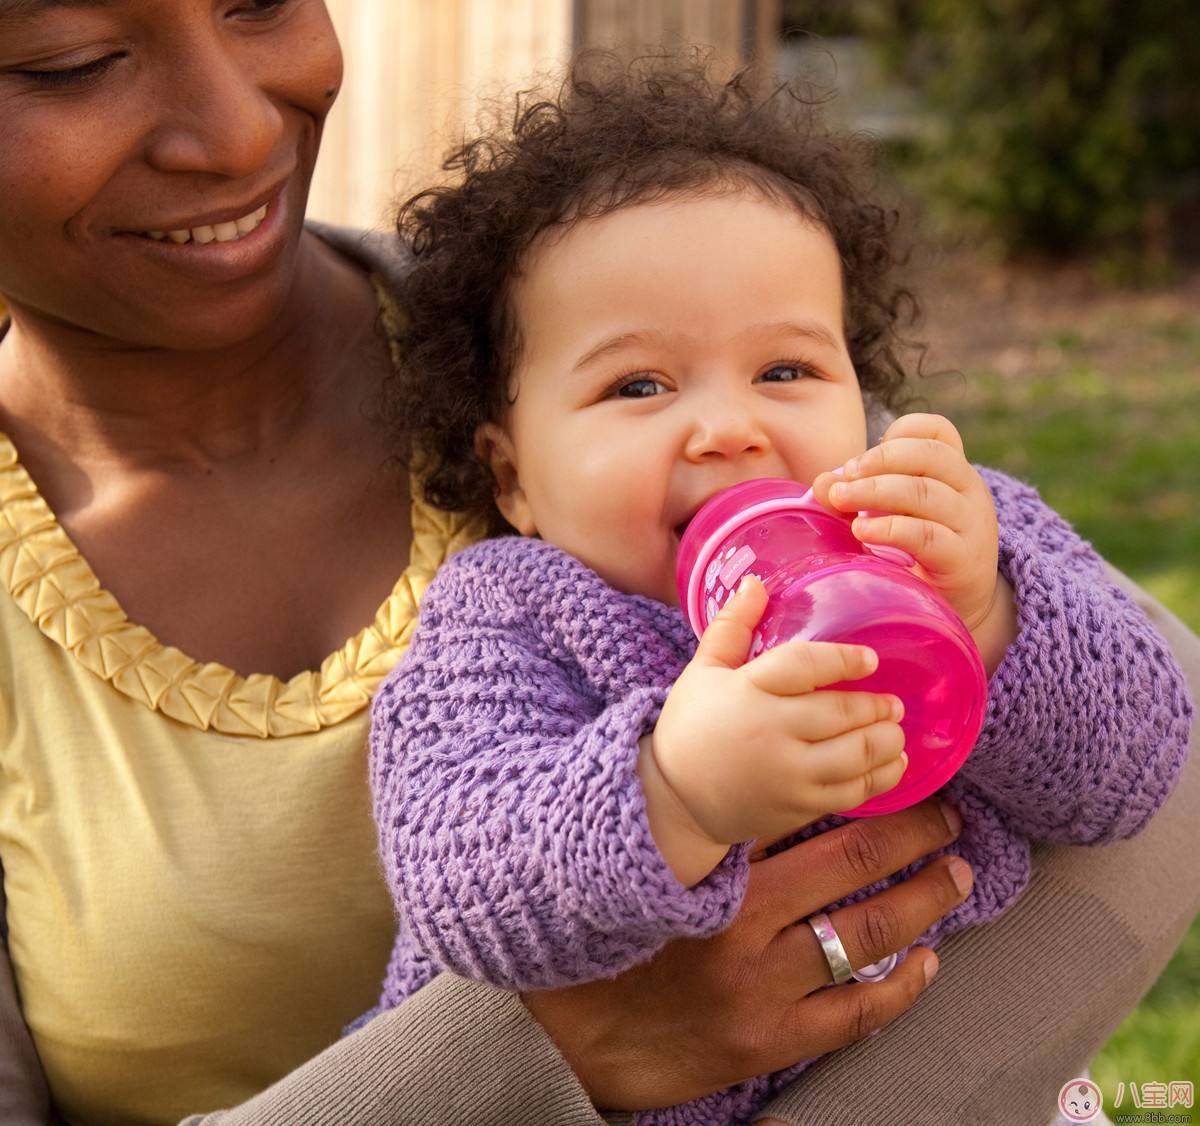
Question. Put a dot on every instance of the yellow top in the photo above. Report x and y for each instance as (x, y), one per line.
(194, 902)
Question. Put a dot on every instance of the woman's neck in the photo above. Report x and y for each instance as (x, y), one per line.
(65, 390)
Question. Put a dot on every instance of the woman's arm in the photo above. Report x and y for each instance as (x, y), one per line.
(1022, 1004)
(704, 1014)
(23, 1097)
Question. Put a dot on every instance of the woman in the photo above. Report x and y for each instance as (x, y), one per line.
(199, 511)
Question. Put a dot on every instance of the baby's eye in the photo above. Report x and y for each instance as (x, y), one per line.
(640, 387)
(785, 373)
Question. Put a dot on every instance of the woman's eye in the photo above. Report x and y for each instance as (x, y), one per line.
(74, 75)
(641, 387)
(260, 9)
(785, 373)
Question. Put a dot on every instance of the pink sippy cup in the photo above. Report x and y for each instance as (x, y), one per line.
(823, 585)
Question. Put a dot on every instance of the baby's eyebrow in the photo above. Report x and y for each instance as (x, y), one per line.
(617, 343)
(811, 329)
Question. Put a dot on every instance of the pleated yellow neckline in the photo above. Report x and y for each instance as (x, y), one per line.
(57, 590)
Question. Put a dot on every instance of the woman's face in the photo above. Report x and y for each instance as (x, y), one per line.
(156, 156)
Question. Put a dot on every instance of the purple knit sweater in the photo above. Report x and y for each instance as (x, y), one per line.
(504, 746)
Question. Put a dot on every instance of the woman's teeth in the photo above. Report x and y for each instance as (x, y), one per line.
(218, 232)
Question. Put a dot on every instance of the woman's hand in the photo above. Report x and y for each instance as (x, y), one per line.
(704, 1014)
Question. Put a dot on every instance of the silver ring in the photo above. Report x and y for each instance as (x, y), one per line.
(876, 971)
(835, 952)
(839, 963)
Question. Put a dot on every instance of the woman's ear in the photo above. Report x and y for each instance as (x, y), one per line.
(495, 449)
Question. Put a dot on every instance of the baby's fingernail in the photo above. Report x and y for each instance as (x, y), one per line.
(930, 968)
(952, 818)
(838, 491)
(851, 467)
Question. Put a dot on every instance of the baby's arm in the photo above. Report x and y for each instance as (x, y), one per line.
(1089, 714)
(512, 824)
(747, 750)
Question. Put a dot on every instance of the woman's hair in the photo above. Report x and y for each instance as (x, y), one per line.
(615, 135)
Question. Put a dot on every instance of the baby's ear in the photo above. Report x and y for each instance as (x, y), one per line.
(495, 449)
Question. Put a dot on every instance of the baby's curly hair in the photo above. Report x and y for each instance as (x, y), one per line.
(615, 135)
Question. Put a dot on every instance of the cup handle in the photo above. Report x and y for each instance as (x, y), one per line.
(883, 551)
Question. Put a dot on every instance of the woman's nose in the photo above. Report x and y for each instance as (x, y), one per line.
(216, 118)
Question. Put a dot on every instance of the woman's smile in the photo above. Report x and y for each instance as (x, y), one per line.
(217, 232)
(226, 249)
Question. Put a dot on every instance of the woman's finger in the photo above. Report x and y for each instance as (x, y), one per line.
(833, 1018)
(792, 884)
(888, 921)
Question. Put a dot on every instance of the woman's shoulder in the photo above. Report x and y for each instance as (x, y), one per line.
(378, 252)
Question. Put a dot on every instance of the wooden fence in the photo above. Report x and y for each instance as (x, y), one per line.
(418, 71)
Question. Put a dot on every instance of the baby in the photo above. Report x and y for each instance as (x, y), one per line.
(652, 289)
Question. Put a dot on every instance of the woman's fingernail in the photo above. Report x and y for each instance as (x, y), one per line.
(960, 873)
(952, 817)
(931, 967)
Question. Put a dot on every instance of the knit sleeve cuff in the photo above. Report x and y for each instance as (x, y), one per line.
(625, 870)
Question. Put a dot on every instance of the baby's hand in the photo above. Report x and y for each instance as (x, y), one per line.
(757, 749)
(926, 498)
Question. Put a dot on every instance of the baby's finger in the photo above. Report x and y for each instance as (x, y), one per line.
(906, 458)
(938, 549)
(799, 667)
(726, 641)
(927, 497)
(826, 714)
(924, 425)
(842, 796)
(852, 757)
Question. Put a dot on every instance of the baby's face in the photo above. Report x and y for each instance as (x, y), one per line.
(668, 350)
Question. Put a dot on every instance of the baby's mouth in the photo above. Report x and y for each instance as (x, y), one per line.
(216, 232)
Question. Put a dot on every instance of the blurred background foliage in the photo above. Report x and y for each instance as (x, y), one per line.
(1045, 128)
(1050, 156)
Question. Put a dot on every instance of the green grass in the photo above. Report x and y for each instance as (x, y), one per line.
(1111, 438)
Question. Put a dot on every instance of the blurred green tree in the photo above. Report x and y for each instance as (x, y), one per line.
(1054, 127)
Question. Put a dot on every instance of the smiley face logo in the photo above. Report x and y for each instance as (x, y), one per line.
(1080, 1100)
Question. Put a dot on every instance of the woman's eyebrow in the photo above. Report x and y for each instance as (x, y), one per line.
(23, 9)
